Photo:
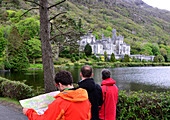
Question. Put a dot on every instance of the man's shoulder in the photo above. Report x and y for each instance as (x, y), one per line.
(98, 87)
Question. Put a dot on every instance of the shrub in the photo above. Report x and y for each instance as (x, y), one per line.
(1, 66)
(76, 64)
(39, 60)
(62, 55)
(67, 64)
(85, 57)
(69, 56)
(77, 58)
(142, 105)
(73, 59)
(15, 89)
(57, 63)
(7, 65)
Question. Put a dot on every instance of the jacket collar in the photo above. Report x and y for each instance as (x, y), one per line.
(108, 82)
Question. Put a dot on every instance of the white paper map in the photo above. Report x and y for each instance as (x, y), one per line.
(39, 103)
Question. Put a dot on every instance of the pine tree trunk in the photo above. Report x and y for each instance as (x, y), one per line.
(48, 65)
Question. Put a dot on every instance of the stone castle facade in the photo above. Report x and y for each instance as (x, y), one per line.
(114, 45)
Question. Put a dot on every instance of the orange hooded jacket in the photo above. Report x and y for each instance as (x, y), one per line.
(68, 105)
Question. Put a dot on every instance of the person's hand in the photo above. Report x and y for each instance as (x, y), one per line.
(25, 110)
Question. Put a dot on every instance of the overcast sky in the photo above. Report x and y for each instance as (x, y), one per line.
(161, 4)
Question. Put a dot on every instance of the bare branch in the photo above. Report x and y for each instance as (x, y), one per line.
(33, 2)
(57, 15)
(59, 35)
(56, 4)
(28, 11)
(58, 29)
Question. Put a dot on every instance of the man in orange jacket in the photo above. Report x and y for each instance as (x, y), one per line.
(69, 104)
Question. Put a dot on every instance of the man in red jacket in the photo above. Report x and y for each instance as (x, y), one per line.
(110, 97)
(69, 104)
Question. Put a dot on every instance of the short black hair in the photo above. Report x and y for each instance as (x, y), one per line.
(105, 74)
(86, 71)
(64, 77)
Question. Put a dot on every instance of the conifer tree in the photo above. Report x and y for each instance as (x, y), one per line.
(113, 59)
(88, 50)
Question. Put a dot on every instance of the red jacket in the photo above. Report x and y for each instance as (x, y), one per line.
(68, 105)
(110, 97)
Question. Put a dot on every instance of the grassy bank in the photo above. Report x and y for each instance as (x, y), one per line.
(100, 64)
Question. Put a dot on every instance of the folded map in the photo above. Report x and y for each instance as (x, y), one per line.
(39, 103)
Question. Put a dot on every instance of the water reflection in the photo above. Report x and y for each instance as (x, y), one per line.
(129, 78)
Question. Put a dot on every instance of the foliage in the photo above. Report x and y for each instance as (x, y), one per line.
(1, 66)
(3, 43)
(88, 50)
(17, 55)
(73, 59)
(77, 58)
(68, 31)
(113, 59)
(15, 89)
(31, 24)
(126, 58)
(159, 58)
(142, 105)
(33, 48)
(105, 56)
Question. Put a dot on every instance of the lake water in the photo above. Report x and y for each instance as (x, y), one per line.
(127, 78)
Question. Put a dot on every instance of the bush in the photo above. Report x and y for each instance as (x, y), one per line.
(7, 65)
(67, 64)
(15, 89)
(76, 64)
(39, 60)
(77, 58)
(142, 105)
(1, 66)
(69, 56)
(62, 55)
(73, 59)
(57, 63)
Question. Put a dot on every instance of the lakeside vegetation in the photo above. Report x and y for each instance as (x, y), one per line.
(131, 105)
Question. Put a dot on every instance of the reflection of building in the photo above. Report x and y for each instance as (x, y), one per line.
(114, 45)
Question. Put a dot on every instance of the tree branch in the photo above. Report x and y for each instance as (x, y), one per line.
(58, 29)
(33, 2)
(56, 4)
(59, 35)
(57, 15)
(28, 11)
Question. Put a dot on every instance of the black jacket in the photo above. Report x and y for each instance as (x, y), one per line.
(95, 96)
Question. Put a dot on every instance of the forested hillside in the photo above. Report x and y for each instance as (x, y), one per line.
(145, 28)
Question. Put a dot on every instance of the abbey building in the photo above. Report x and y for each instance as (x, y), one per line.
(114, 45)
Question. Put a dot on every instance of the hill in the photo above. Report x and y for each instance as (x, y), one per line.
(138, 22)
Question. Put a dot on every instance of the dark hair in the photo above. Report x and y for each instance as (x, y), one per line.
(64, 77)
(105, 74)
(86, 71)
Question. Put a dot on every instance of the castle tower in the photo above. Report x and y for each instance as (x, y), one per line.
(114, 36)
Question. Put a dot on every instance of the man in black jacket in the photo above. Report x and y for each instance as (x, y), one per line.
(94, 90)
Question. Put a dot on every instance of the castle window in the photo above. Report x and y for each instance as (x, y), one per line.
(124, 49)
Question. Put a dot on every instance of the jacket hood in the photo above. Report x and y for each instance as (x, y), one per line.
(108, 82)
(78, 95)
(87, 84)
